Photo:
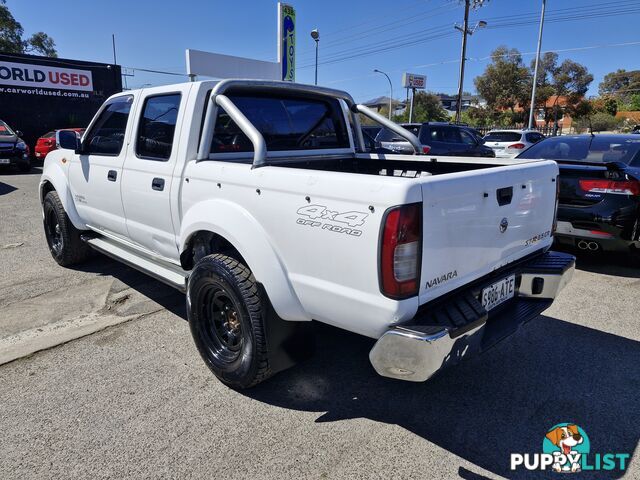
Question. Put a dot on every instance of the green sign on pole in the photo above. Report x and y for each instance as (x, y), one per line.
(287, 31)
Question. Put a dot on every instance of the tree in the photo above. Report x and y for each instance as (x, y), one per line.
(571, 81)
(620, 84)
(598, 122)
(611, 106)
(12, 36)
(504, 81)
(426, 108)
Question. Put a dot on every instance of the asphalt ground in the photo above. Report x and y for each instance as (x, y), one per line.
(134, 400)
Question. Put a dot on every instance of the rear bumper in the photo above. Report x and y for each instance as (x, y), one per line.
(13, 158)
(445, 333)
(600, 236)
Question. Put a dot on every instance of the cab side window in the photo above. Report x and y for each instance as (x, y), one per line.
(157, 127)
(106, 137)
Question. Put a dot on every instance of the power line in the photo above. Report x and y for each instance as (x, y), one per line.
(489, 57)
(564, 14)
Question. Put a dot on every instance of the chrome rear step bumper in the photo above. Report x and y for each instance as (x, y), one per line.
(459, 327)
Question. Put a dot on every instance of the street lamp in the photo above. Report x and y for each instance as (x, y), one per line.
(390, 89)
(315, 34)
(465, 31)
(535, 70)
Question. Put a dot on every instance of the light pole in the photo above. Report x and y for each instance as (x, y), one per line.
(390, 90)
(535, 70)
(465, 31)
(315, 34)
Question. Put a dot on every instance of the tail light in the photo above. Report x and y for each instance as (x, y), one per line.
(400, 251)
(626, 187)
(426, 149)
(518, 146)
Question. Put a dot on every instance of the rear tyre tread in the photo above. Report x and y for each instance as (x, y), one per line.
(74, 250)
(249, 293)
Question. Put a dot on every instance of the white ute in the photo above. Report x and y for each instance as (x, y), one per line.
(258, 200)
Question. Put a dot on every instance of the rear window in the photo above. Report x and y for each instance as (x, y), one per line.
(286, 123)
(502, 137)
(440, 134)
(587, 149)
(387, 135)
(4, 129)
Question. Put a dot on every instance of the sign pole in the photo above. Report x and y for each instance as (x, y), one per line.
(413, 94)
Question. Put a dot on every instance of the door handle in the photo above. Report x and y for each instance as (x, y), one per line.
(504, 195)
(112, 175)
(157, 184)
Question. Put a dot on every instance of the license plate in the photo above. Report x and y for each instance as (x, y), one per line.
(5, 160)
(499, 292)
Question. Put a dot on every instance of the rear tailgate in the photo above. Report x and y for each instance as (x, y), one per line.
(471, 227)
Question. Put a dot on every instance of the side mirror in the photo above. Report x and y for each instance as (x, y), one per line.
(19, 133)
(68, 140)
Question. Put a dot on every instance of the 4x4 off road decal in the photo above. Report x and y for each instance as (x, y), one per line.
(321, 217)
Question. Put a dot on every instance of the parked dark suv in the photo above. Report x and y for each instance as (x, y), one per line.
(437, 139)
(13, 150)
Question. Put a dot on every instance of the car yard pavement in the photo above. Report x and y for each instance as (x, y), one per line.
(134, 399)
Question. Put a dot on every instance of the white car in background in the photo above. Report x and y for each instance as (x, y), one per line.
(511, 143)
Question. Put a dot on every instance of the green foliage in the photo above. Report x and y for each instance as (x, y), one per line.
(611, 106)
(12, 40)
(504, 82)
(426, 108)
(620, 84)
(598, 122)
(632, 103)
(507, 83)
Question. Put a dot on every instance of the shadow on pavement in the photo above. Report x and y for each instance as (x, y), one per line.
(6, 188)
(607, 263)
(501, 402)
(166, 296)
(504, 401)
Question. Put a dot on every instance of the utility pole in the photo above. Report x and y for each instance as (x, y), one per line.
(535, 71)
(390, 90)
(463, 57)
(465, 30)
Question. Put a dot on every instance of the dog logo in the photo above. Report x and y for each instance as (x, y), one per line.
(504, 224)
(567, 443)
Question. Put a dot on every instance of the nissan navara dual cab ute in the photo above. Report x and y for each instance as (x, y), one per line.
(258, 200)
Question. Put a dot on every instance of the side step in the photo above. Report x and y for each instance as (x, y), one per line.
(168, 273)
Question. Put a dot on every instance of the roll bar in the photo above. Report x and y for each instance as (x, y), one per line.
(218, 99)
(394, 127)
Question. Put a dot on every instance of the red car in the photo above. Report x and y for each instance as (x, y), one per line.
(47, 142)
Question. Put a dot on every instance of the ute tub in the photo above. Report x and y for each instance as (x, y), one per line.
(458, 327)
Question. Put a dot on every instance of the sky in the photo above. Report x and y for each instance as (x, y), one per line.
(356, 36)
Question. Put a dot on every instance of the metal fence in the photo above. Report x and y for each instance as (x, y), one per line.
(547, 131)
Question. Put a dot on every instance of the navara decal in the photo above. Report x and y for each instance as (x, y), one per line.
(442, 279)
(321, 217)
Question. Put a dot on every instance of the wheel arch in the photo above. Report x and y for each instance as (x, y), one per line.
(54, 179)
(238, 234)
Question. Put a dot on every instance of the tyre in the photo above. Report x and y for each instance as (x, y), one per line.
(63, 238)
(227, 315)
(24, 166)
